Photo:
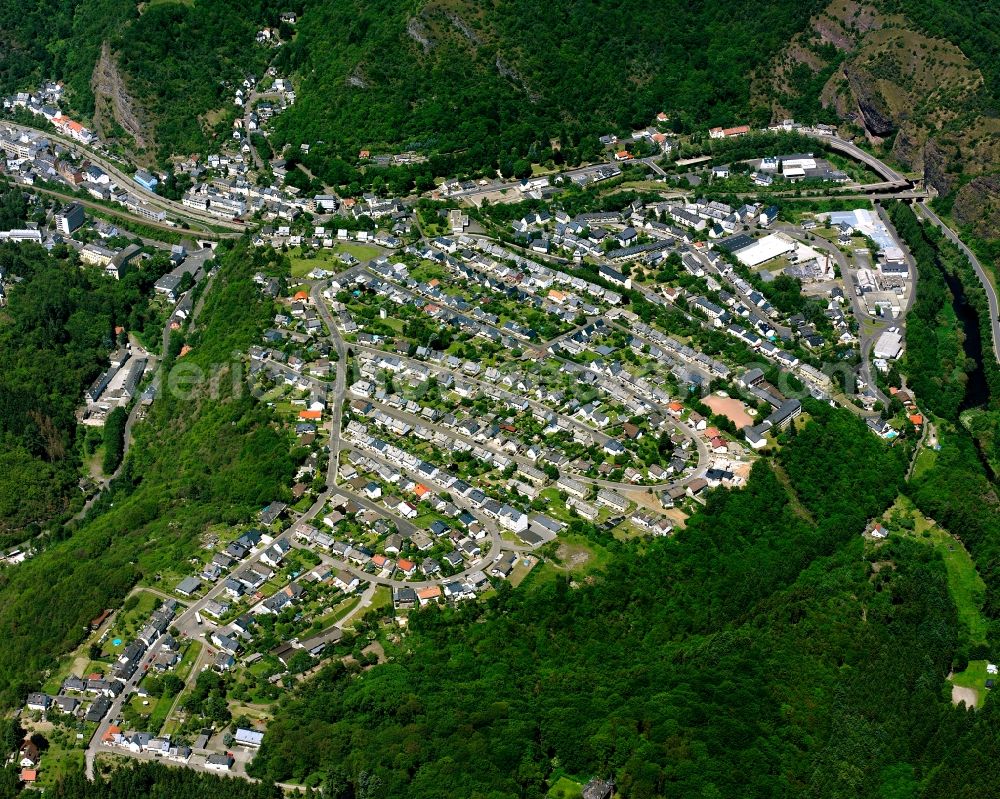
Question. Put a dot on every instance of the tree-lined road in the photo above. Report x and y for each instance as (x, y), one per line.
(924, 211)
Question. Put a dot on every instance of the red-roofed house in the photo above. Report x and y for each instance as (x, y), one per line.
(407, 567)
(728, 133)
(429, 594)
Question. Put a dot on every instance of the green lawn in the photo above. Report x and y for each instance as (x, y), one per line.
(925, 461)
(556, 506)
(340, 610)
(159, 714)
(565, 788)
(187, 660)
(330, 259)
(426, 271)
(130, 622)
(57, 762)
(382, 598)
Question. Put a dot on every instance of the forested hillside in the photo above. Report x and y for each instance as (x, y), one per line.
(197, 460)
(459, 75)
(759, 654)
(484, 82)
(55, 336)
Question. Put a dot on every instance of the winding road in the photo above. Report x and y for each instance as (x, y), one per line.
(924, 211)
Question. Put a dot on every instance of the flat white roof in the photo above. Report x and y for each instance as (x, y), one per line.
(889, 345)
(765, 249)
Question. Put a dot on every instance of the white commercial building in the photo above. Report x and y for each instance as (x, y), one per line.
(765, 249)
(889, 345)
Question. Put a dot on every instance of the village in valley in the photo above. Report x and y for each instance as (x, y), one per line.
(480, 393)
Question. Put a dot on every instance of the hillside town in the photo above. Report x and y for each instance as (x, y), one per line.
(471, 387)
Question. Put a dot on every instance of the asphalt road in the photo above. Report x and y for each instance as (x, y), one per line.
(849, 148)
(924, 211)
(125, 181)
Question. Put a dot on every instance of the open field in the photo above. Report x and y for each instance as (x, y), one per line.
(733, 409)
(330, 259)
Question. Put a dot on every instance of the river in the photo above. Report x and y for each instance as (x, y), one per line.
(977, 392)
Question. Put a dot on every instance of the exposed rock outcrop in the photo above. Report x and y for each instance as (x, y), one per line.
(464, 28)
(417, 31)
(935, 165)
(977, 205)
(113, 105)
(874, 114)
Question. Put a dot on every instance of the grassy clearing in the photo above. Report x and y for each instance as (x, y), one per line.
(565, 788)
(968, 591)
(522, 569)
(58, 762)
(574, 555)
(382, 598)
(339, 611)
(556, 507)
(160, 712)
(183, 669)
(973, 677)
(303, 264)
(924, 463)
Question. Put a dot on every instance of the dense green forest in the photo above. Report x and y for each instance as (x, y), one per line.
(484, 85)
(55, 336)
(191, 58)
(196, 460)
(487, 82)
(180, 60)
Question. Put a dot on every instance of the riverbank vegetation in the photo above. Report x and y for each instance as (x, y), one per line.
(934, 362)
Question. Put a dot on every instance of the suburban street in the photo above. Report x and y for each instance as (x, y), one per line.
(493, 538)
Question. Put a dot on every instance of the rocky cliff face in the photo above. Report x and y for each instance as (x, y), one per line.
(114, 107)
(892, 84)
(874, 115)
(977, 206)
